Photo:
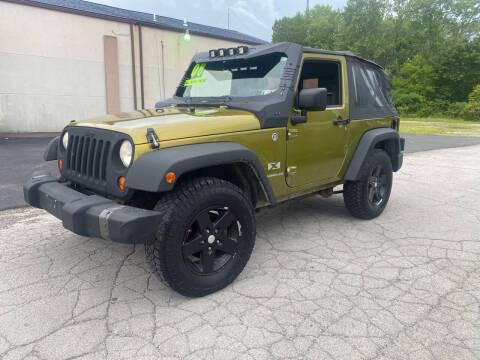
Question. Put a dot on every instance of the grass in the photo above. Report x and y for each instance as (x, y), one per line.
(439, 126)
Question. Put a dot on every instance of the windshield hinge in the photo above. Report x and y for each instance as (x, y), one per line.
(292, 133)
(153, 138)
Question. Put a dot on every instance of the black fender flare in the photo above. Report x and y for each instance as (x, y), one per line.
(147, 173)
(51, 150)
(366, 145)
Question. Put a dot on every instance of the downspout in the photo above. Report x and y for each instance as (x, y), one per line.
(132, 47)
(163, 71)
(142, 94)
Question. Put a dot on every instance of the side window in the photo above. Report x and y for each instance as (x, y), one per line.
(323, 74)
(368, 87)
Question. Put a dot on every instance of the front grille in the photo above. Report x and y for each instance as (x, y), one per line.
(87, 157)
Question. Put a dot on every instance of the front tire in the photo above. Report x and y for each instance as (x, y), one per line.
(367, 197)
(205, 238)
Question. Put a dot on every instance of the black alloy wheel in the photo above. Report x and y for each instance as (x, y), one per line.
(212, 239)
(377, 186)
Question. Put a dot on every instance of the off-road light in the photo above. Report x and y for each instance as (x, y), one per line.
(222, 52)
(186, 37)
(232, 51)
(242, 50)
(65, 140)
(126, 153)
(213, 53)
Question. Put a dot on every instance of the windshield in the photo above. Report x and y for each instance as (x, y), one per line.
(256, 76)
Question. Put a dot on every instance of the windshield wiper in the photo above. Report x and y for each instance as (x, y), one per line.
(213, 100)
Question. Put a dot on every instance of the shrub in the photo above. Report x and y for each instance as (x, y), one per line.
(457, 110)
(473, 105)
(408, 103)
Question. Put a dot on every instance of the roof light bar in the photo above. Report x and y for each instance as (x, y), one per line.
(241, 50)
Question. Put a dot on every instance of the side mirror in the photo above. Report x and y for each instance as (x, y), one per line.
(313, 99)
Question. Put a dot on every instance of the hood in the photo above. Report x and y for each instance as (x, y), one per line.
(175, 122)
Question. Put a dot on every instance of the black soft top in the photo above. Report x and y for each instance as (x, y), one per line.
(310, 50)
(255, 50)
(368, 90)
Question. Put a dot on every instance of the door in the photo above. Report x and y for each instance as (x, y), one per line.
(316, 149)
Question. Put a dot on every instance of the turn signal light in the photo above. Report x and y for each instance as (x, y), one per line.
(170, 177)
(121, 183)
(60, 164)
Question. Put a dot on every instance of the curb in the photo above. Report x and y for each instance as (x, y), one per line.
(32, 135)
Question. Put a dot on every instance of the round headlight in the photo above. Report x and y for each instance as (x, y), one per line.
(126, 153)
(65, 140)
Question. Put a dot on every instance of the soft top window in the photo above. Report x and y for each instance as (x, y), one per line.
(369, 91)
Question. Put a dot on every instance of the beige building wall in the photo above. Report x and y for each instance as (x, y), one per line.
(52, 66)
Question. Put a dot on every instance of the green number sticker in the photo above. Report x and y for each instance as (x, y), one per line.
(195, 78)
(198, 70)
(196, 81)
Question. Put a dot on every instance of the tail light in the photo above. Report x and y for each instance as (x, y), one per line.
(396, 124)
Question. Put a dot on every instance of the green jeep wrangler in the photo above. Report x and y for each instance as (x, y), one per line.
(248, 127)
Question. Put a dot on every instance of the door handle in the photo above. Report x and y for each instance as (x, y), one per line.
(339, 121)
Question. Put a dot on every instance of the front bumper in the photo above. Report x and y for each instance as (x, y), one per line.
(93, 215)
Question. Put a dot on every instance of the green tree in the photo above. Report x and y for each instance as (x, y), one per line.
(456, 69)
(317, 27)
(323, 27)
(473, 105)
(292, 29)
(413, 86)
(361, 28)
(431, 48)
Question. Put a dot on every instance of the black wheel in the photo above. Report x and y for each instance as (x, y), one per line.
(206, 236)
(368, 197)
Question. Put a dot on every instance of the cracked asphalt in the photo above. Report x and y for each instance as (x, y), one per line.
(319, 285)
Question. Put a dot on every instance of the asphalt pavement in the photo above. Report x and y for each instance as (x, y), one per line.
(20, 157)
(319, 285)
(423, 142)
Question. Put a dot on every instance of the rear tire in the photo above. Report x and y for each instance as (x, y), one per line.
(367, 197)
(205, 238)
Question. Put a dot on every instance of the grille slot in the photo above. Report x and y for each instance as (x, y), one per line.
(87, 157)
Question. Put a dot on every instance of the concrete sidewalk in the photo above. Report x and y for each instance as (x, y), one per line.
(319, 285)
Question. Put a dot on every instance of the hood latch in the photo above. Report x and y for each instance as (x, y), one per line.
(153, 138)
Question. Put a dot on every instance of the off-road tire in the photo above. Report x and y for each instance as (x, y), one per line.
(356, 193)
(165, 253)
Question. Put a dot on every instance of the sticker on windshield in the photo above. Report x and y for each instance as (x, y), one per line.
(196, 81)
(195, 75)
